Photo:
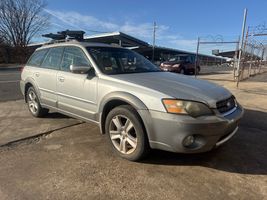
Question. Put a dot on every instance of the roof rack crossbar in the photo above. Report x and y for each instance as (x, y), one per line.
(78, 35)
(54, 36)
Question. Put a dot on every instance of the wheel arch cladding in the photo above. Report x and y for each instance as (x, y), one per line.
(30, 83)
(115, 99)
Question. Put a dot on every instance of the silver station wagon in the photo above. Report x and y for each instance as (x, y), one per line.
(138, 106)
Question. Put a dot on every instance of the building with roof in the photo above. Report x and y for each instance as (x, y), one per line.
(233, 54)
(160, 53)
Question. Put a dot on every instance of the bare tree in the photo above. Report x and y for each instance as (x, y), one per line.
(21, 20)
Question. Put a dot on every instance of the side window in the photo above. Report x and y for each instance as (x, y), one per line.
(73, 56)
(37, 58)
(53, 58)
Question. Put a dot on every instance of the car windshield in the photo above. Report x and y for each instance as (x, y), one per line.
(188, 59)
(178, 58)
(173, 59)
(112, 60)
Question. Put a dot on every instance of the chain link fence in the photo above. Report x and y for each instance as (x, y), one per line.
(250, 59)
(224, 50)
(253, 54)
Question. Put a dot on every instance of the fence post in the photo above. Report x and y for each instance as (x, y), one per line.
(236, 57)
(251, 60)
(263, 51)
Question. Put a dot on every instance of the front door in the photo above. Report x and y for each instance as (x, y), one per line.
(76, 92)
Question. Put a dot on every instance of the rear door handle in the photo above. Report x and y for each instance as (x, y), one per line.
(37, 74)
(61, 78)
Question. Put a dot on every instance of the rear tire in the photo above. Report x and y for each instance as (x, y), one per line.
(126, 133)
(34, 104)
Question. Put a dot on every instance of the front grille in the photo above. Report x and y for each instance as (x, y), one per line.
(226, 105)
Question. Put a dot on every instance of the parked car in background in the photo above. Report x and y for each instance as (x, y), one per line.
(182, 63)
(134, 103)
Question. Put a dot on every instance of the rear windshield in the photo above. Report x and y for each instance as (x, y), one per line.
(37, 58)
(120, 61)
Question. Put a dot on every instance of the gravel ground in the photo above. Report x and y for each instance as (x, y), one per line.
(76, 162)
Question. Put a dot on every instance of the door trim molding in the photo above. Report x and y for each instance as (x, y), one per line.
(76, 98)
(68, 96)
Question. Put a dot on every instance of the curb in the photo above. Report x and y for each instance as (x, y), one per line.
(36, 136)
(15, 68)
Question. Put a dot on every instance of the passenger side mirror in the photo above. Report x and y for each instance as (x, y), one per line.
(79, 69)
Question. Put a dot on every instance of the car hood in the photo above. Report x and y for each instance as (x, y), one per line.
(178, 86)
(172, 62)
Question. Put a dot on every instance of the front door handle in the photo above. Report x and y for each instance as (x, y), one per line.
(61, 78)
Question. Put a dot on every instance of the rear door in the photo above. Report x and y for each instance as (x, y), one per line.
(76, 92)
(46, 76)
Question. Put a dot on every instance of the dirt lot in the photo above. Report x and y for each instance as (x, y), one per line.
(71, 160)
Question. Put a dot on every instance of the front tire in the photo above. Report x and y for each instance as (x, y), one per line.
(182, 71)
(34, 104)
(198, 70)
(126, 133)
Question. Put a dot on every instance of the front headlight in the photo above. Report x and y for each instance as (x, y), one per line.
(176, 65)
(194, 109)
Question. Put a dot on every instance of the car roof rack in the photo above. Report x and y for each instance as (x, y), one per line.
(64, 36)
(77, 35)
(54, 36)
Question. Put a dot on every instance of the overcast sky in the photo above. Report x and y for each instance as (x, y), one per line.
(179, 23)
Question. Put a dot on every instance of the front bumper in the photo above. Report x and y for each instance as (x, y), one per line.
(171, 69)
(168, 131)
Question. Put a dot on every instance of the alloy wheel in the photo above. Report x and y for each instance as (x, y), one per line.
(123, 134)
(33, 102)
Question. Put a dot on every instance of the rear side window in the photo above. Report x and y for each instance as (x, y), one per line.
(37, 58)
(53, 58)
(73, 56)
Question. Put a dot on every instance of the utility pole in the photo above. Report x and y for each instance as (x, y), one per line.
(154, 41)
(196, 57)
(241, 46)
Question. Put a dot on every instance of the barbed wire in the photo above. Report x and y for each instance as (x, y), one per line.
(258, 29)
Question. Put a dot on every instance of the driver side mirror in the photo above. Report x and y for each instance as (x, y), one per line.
(79, 69)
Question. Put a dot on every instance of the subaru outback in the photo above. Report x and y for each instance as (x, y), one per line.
(138, 106)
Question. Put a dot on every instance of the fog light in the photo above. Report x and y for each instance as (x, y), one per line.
(189, 140)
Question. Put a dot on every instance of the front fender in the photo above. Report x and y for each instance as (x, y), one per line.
(122, 96)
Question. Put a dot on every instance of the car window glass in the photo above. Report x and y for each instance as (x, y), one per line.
(118, 61)
(37, 58)
(190, 59)
(183, 58)
(73, 56)
(53, 58)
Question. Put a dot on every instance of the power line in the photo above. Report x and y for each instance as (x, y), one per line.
(71, 24)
